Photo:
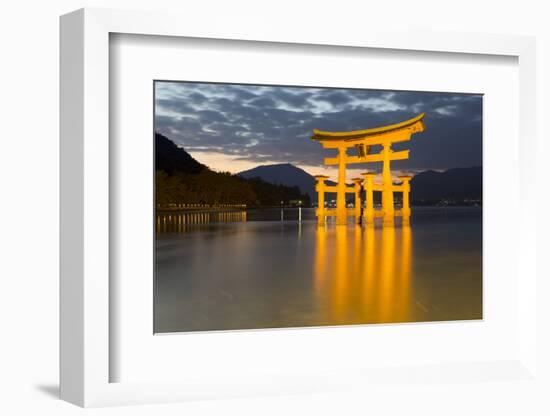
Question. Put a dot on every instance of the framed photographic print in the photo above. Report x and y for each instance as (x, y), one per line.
(253, 229)
(282, 212)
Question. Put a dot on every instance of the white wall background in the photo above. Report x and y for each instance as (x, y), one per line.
(29, 204)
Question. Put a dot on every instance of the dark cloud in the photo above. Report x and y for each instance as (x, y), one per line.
(263, 102)
(197, 98)
(174, 105)
(243, 94)
(335, 97)
(297, 98)
(211, 116)
(260, 123)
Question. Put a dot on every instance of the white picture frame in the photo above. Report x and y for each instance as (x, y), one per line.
(85, 218)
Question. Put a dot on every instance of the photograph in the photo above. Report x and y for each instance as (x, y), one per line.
(244, 208)
(284, 206)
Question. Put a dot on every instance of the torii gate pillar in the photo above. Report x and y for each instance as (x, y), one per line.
(387, 190)
(341, 209)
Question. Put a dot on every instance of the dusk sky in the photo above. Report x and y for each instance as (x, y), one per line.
(238, 127)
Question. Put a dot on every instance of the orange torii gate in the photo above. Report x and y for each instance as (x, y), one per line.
(363, 141)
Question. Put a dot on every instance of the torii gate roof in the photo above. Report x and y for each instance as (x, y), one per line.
(415, 125)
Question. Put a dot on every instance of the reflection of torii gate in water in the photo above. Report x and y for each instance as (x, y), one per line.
(362, 141)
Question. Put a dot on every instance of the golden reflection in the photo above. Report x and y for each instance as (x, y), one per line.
(363, 274)
(341, 276)
(405, 274)
(181, 222)
(320, 258)
(386, 287)
(369, 268)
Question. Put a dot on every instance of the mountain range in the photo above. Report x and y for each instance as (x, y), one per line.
(457, 185)
(269, 183)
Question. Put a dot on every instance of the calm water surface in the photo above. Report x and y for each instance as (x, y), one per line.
(247, 269)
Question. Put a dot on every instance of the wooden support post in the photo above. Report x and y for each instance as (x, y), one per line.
(368, 184)
(320, 188)
(358, 203)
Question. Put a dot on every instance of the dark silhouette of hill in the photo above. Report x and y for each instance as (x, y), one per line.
(283, 174)
(171, 158)
(458, 184)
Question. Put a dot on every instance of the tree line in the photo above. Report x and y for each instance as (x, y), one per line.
(180, 179)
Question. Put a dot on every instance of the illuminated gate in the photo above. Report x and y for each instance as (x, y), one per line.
(363, 141)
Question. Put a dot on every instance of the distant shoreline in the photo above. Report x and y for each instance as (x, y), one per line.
(228, 208)
(244, 208)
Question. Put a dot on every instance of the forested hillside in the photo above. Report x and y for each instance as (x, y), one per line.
(180, 179)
